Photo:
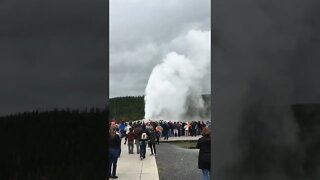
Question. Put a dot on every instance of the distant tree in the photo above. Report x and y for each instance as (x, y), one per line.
(132, 108)
(58, 144)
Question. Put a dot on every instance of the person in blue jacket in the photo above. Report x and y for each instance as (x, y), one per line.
(114, 152)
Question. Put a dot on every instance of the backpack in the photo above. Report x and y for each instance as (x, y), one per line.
(144, 136)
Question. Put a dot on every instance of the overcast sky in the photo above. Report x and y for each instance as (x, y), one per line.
(142, 33)
(53, 54)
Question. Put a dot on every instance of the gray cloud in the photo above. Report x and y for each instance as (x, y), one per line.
(141, 33)
(53, 54)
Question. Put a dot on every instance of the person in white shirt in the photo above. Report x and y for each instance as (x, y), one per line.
(186, 129)
(127, 130)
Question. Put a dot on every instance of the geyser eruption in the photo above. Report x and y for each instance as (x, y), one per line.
(178, 82)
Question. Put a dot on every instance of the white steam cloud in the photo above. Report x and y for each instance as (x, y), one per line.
(179, 81)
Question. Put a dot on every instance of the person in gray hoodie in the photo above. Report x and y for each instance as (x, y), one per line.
(143, 138)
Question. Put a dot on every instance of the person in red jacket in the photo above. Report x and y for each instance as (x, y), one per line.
(130, 137)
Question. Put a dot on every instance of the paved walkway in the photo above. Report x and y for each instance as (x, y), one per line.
(130, 167)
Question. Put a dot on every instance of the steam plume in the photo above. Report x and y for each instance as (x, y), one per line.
(178, 82)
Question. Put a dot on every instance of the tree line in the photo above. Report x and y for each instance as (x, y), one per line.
(57, 144)
(130, 108)
(126, 108)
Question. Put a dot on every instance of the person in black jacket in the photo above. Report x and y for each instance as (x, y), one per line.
(152, 141)
(166, 129)
(114, 150)
(137, 131)
(143, 142)
(204, 144)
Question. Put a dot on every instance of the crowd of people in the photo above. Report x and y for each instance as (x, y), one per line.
(143, 134)
(169, 128)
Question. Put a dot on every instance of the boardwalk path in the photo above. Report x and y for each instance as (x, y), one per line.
(130, 167)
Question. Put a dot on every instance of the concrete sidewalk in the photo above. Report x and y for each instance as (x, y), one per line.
(130, 167)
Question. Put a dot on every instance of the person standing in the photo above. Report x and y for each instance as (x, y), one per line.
(190, 129)
(183, 124)
(166, 129)
(136, 132)
(126, 130)
(204, 144)
(186, 129)
(114, 151)
(121, 128)
(194, 129)
(116, 128)
(171, 127)
(175, 129)
(199, 128)
(143, 135)
(163, 130)
(152, 141)
(130, 137)
(158, 134)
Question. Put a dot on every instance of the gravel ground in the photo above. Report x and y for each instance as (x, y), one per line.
(177, 163)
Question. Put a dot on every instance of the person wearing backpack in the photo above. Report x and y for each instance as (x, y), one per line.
(152, 142)
(143, 138)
